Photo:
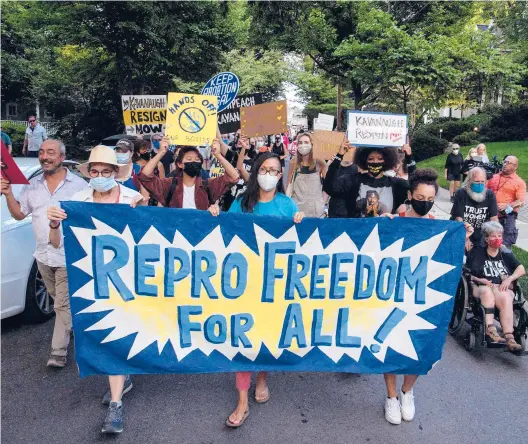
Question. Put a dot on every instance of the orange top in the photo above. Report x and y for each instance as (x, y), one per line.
(507, 189)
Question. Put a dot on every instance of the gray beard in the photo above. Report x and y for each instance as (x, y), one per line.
(477, 197)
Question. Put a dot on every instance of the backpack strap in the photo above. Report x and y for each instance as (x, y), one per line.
(171, 191)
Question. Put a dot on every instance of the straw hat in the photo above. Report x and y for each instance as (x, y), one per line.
(99, 154)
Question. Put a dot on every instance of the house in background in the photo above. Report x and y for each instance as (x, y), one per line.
(17, 112)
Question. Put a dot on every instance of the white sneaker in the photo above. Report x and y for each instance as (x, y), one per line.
(393, 411)
(407, 405)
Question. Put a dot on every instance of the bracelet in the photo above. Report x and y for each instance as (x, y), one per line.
(340, 156)
(54, 227)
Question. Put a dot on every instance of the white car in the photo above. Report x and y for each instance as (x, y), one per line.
(23, 290)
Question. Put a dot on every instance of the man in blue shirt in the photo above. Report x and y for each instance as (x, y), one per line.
(7, 142)
(35, 136)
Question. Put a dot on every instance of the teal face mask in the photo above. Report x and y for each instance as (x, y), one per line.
(477, 187)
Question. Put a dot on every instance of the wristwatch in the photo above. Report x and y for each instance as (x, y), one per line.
(54, 227)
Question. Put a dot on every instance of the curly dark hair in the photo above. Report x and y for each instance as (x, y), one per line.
(250, 197)
(426, 176)
(390, 156)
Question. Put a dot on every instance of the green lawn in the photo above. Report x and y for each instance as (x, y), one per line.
(500, 149)
(522, 255)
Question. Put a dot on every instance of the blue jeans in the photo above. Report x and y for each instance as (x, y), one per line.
(32, 154)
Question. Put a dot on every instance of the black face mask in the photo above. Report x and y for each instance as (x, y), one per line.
(192, 168)
(421, 207)
(145, 156)
(375, 168)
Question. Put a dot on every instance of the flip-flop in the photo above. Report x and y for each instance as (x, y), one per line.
(236, 425)
(264, 400)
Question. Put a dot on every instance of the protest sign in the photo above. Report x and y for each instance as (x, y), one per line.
(144, 114)
(10, 170)
(326, 143)
(264, 119)
(229, 119)
(158, 290)
(324, 122)
(191, 119)
(223, 85)
(376, 129)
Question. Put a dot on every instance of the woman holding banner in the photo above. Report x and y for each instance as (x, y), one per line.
(264, 196)
(392, 191)
(305, 179)
(102, 168)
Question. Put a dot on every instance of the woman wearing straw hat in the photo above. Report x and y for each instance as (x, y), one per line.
(102, 168)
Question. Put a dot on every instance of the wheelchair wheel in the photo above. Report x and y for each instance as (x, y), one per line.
(470, 340)
(460, 307)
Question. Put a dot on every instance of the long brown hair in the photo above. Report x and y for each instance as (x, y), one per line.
(299, 159)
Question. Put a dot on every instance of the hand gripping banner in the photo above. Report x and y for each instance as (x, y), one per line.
(156, 290)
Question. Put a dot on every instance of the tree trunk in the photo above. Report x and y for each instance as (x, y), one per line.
(339, 106)
(358, 94)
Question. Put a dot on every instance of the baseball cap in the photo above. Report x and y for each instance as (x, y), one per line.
(125, 143)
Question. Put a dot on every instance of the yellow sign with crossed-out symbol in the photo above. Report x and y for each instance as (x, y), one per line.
(191, 118)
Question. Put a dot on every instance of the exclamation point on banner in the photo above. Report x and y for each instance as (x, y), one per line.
(392, 321)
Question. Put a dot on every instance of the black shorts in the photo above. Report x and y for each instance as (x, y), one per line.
(455, 177)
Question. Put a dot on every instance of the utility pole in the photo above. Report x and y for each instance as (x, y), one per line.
(339, 106)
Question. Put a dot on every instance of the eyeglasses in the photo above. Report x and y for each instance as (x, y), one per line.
(104, 173)
(509, 162)
(271, 171)
(31, 121)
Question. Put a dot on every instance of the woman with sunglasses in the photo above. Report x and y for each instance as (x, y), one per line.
(264, 195)
(102, 168)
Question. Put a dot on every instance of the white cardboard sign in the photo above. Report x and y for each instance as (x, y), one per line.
(376, 129)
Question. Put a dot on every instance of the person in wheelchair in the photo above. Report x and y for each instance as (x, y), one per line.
(494, 271)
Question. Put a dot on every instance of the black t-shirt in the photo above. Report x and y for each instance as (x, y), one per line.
(279, 151)
(475, 213)
(482, 265)
(470, 164)
(241, 185)
(391, 191)
(453, 163)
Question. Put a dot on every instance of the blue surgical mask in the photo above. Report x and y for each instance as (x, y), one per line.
(122, 158)
(156, 144)
(103, 184)
(477, 187)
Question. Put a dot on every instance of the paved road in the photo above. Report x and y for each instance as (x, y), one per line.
(469, 398)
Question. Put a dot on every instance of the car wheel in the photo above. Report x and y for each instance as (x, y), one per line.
(39, 303)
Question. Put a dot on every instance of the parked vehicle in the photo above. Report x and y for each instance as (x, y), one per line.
(22, 287)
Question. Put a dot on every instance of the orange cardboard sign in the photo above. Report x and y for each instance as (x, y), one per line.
(264, 119)
(326, 143)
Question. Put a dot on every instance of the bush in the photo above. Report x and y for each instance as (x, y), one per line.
(466, 139)
(425, 145)
(16, 132)
(509, 124)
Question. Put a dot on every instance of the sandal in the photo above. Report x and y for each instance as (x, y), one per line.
(235, 425)
(492, 335)
(262, 400)
(511, 343)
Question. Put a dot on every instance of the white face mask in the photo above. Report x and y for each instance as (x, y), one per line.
(260, 143)
(304, 149)
(267, 182)
(122, 158)
(455, 151)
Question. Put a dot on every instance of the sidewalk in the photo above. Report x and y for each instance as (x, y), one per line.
(442, 210)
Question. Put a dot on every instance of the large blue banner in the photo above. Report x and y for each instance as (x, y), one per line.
(156, 290)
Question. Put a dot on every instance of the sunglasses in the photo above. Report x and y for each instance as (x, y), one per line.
(31, 121)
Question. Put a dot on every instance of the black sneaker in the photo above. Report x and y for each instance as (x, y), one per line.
(113, 422)
(127, 387)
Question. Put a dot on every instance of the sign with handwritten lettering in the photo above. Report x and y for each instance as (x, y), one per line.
(144, 114)
(376, 129)
(191, 119)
